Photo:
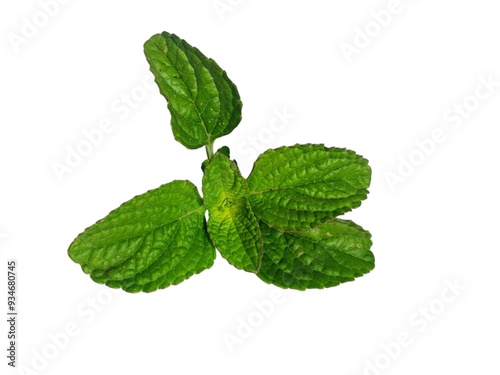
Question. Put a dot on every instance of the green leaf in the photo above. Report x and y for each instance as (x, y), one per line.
(304, 185)
(204, 104)
(152, 241)
(232, 225)
(332, 253)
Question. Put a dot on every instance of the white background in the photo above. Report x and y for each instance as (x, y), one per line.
(435, 227)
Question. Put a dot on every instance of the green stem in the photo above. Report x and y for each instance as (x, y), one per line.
(210, 149)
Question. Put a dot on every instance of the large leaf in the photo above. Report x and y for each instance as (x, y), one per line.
(303, 185)
(154, 240)
(204, 104)
(232, 225)
(327, 255)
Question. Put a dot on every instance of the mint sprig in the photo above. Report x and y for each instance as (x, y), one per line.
(280, 223)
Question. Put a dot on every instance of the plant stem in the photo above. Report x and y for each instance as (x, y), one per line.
(210, 149)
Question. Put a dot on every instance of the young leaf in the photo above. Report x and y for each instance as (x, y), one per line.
(232, 225)
(303, 185)
(332, 253)
(154, 240)
(204, 104)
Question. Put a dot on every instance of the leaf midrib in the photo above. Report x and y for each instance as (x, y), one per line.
(190, 97)
(202, 209)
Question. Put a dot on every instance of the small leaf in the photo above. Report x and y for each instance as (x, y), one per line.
(204, 104)
(154, 240)
(332, 253)
(225, 150)
(304, 185)
(232, 225)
